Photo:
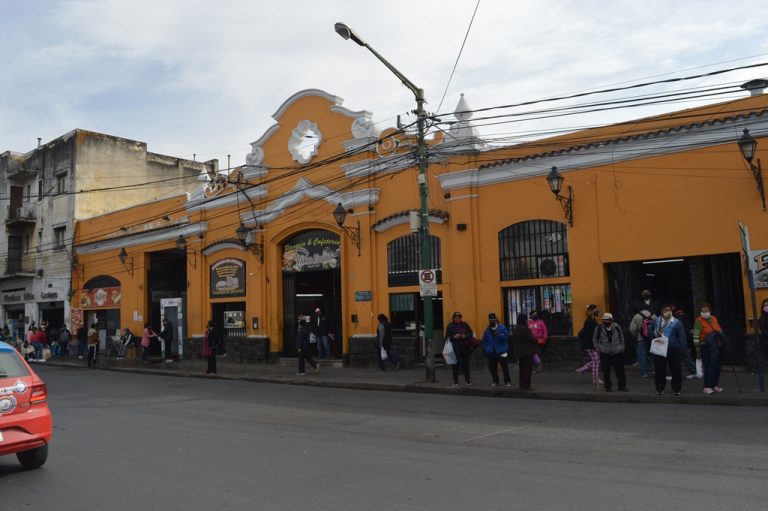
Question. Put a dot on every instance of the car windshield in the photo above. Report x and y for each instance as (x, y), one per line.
(11, 365)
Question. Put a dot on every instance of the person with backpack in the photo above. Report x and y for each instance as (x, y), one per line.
(609, 341)
(640, 328)
(586, 334)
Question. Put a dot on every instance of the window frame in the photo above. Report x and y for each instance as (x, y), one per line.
(60, 237)
(404, 259)
(562, 327)
(524, 250)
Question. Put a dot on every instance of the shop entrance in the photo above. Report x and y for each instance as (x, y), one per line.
(311, 280)
(167, 279)
(685, 283)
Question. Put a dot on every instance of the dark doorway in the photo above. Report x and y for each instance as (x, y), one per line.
(167, 279)
(303, 292)
(685, 283)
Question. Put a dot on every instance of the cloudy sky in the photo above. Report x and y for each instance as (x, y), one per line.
(198, 76)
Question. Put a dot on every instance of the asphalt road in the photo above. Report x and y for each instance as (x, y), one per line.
(140, 442)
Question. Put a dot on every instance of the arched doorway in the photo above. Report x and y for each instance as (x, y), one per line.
(311, 266)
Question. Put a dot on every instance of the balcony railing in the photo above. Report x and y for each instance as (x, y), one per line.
(21, 214)
(16, 265)
(21, 174)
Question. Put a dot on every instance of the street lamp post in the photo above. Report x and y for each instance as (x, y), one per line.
(421, 155)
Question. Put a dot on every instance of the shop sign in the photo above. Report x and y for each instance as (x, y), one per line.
(310, 251)
(760, 264)
(100, 298)
(11, 298)
(228, 278)
(52, 295)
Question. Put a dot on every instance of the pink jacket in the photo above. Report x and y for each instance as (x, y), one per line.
(539, 330)
(147, 337)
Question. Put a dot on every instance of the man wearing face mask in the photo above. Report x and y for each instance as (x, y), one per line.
(460, 334)
(609, 342)
(496, 346)
(706, 332)
(670, 328)
(646, 302)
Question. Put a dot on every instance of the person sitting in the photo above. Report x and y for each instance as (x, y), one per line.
(126, 339)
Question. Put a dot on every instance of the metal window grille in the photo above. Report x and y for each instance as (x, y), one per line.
(534, 249)
(404, 260)
(554, 304)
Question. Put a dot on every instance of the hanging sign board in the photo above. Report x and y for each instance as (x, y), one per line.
(228, 278)
(100, 298)
(427, 283)
(759, 261)
(311, 251)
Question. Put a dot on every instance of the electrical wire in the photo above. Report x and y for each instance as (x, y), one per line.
(455, 64)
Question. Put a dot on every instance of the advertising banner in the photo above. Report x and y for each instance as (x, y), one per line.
(759, 263)
(311, 251)
(100, 298)
(228, 278)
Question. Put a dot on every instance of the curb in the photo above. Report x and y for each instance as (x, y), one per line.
(423, 388)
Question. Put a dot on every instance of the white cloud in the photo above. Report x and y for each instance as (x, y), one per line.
(204, 77)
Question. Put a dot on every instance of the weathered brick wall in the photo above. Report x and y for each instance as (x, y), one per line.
(239, 349)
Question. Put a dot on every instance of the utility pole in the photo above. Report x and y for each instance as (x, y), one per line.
(421, 155)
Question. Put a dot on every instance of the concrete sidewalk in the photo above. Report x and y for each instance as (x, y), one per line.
(546, 385)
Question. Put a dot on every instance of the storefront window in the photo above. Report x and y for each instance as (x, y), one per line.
(404, 260)
(534, 249)
(553, 303)
(406, 312)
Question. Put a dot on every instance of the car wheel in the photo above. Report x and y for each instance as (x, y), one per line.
(33, 459)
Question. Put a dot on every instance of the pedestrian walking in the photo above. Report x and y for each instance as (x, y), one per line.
(321, 330)
(166, 336)
(93, 345)
(211, 341)
(670, 331)
(384, 334)
(146, 340)
(461, 336)
(524, 348)
(707, 333)
(586, 334)
(304, 349)
(539, 330)
(641, 328)
(608, 340)
(64, 337)
(496, 347)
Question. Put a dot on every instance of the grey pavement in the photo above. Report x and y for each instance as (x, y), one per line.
(560, 385)
(146, 442)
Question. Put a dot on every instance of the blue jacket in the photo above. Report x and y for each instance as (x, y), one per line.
(496, 342)
(674, 331)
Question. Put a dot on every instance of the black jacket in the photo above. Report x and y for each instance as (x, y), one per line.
(319, 326)
(456, 328)
(385, 337)
(523, 342)
(302, 339)
(167, 332)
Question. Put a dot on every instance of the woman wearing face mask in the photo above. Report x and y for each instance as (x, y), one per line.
(586, 335)
(670, 328)
(460, 334)
(539, 330)
(705, 332)
(608, 340)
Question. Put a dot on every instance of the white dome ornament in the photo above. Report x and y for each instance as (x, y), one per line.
(305, 141)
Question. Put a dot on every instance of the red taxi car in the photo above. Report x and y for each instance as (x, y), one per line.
(26, 426)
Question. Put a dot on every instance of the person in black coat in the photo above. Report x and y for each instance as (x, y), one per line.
(304, 349)
(460, 334)
(646, 302)
(524, 346)
(166, 333)
(384, 335)
(321, 330)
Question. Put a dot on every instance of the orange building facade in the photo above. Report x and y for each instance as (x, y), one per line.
(656, 204)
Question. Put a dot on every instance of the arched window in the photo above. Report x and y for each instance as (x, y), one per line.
(534, 249)
(404, 259)
(102, 281)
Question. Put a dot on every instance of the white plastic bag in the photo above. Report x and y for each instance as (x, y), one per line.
(383, 354)
(659, 346)
(699, 368)
(448, 353)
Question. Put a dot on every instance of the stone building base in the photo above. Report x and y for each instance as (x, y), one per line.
(238, 349)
